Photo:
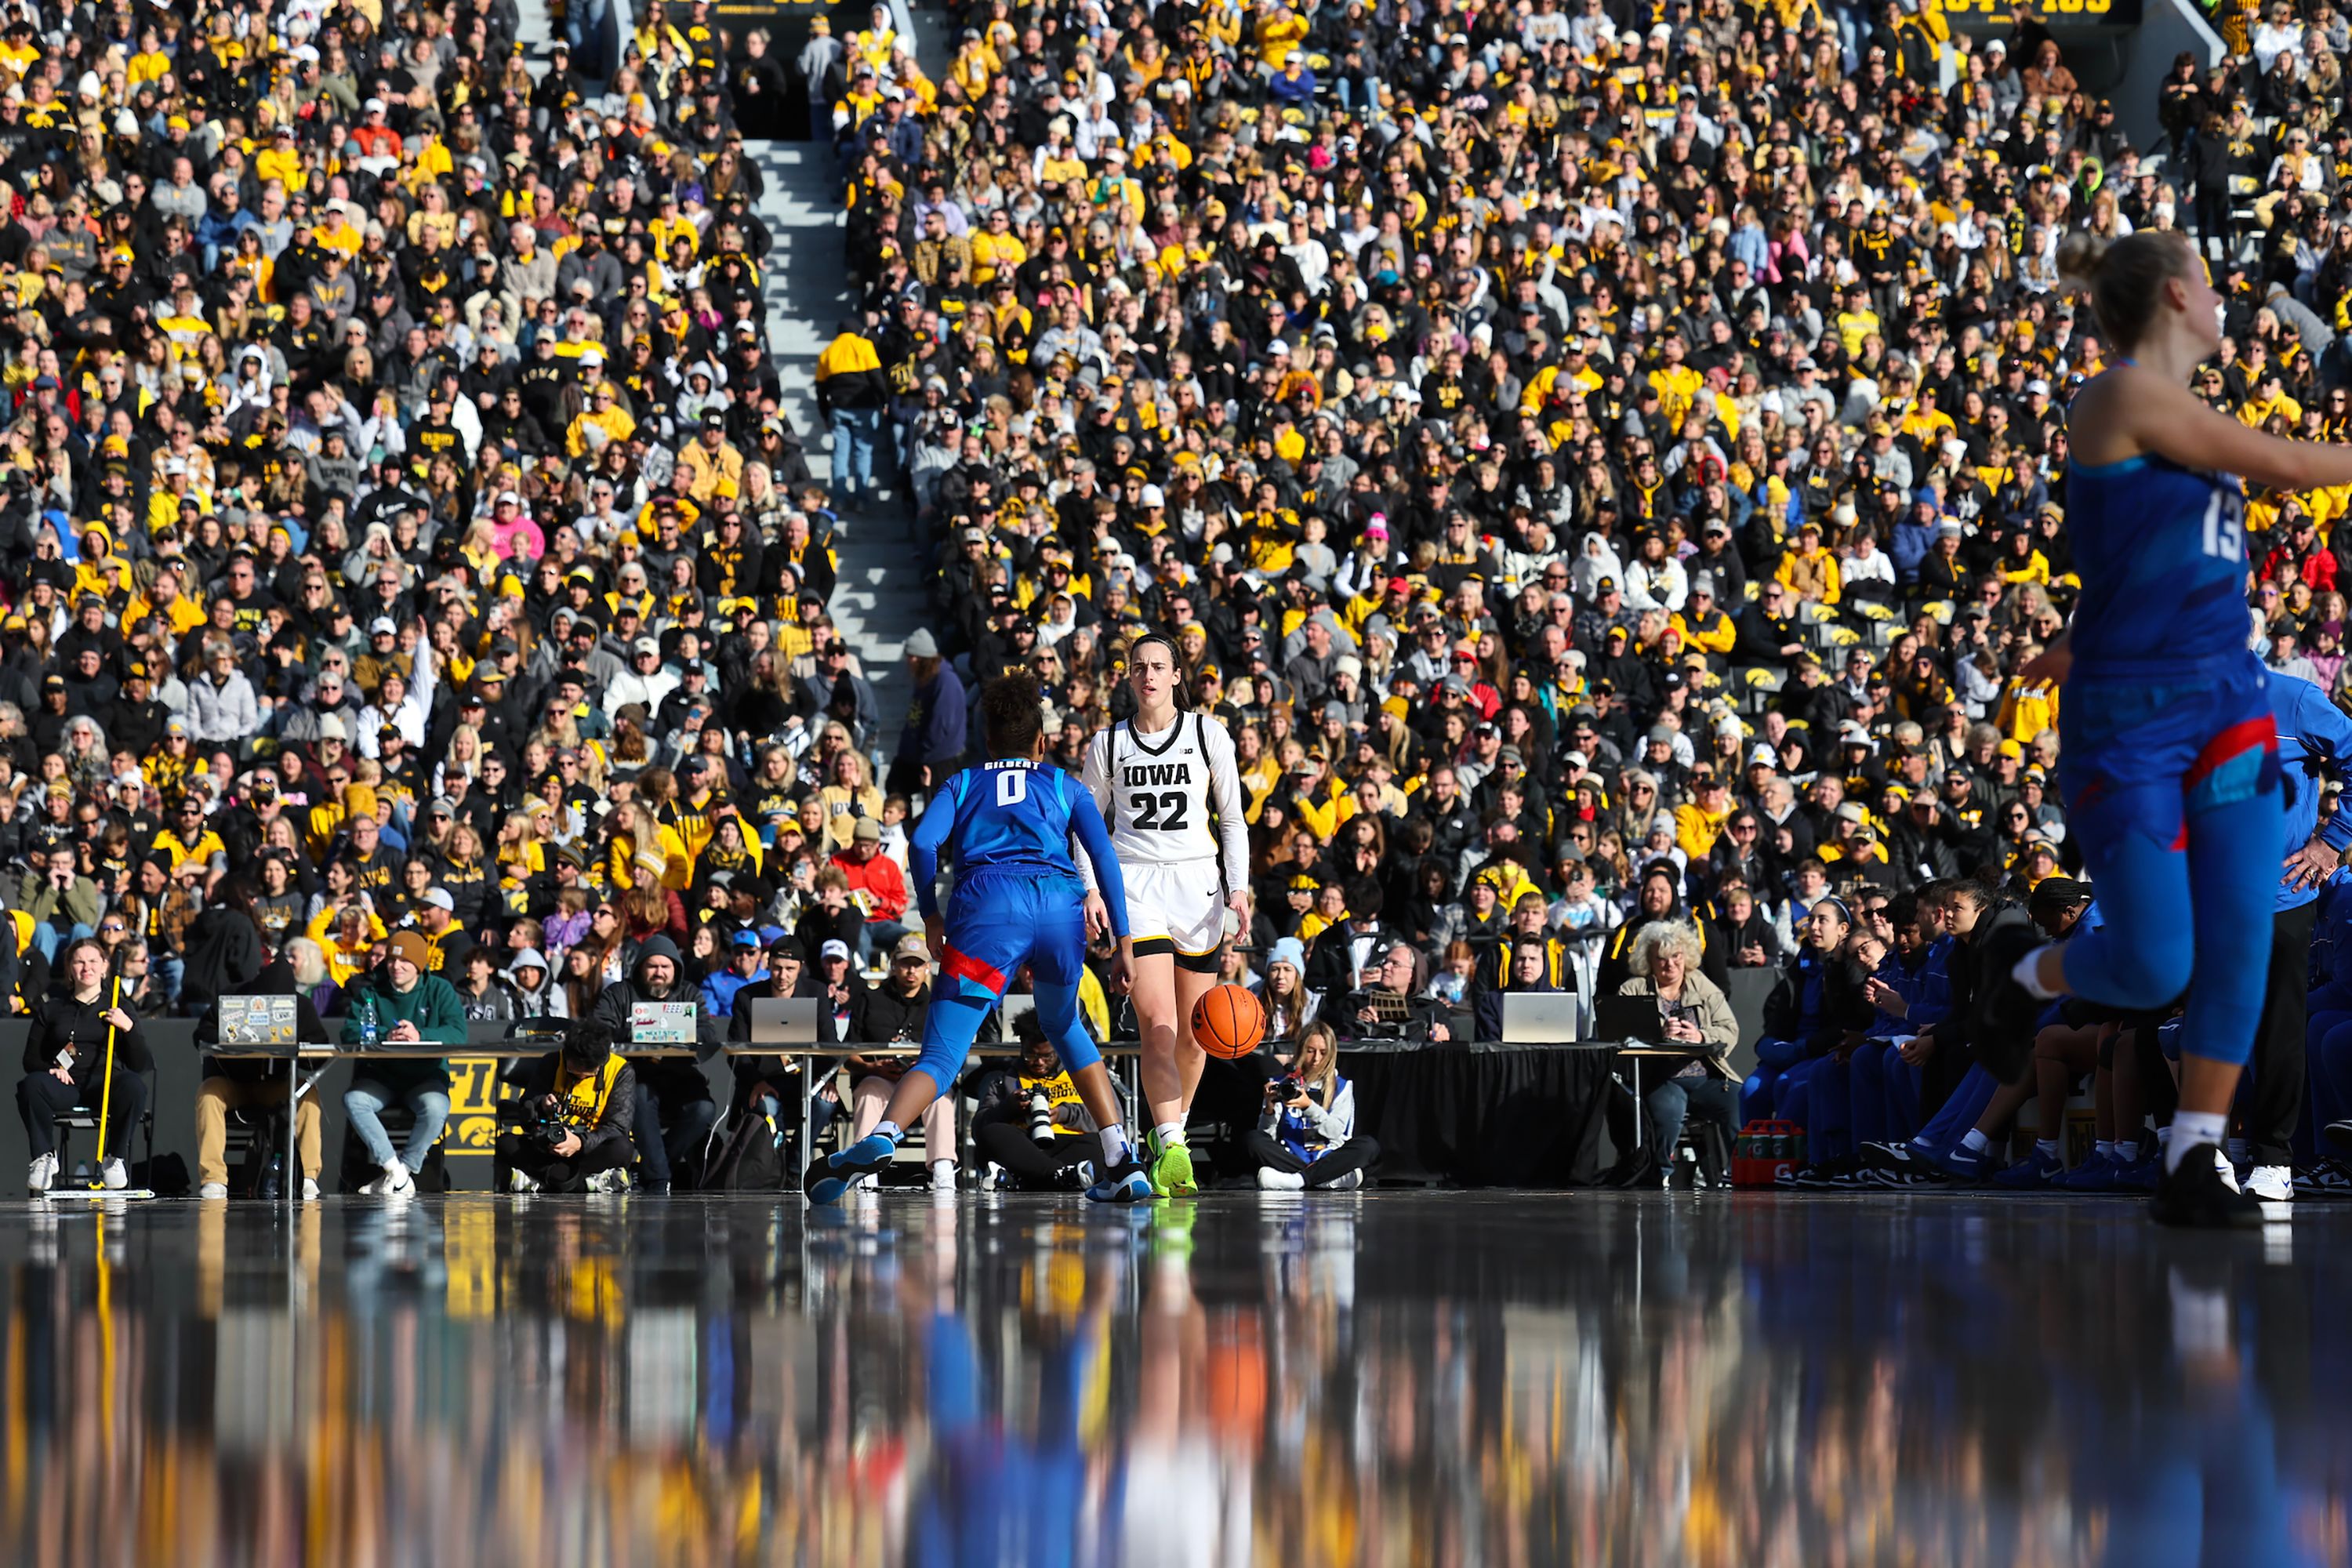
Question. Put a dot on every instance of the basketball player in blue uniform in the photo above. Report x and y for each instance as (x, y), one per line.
(2169, 756)
(1018, 899)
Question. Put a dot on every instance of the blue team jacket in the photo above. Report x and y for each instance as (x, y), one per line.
(2314, 745)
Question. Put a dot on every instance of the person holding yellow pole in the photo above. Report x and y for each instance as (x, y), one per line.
(84, 1049)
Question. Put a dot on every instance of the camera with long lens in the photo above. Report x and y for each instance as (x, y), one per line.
(1288, 1088)
(537, 1119)
(1041, 1120)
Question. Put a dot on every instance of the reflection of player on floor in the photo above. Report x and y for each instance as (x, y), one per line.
(1018, 899)
(1169, 786)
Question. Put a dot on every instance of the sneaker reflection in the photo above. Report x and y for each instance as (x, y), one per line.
(1459, 1378)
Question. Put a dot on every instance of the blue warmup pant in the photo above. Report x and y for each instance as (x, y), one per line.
(996, 923)
(2330, 1061)
(2331, 1009)
(2172, 786)
(1760, 1094)
(1951, 1124)
(1825, 1110)
(1885, 1098)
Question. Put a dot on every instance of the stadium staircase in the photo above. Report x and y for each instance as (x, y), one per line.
(879, 599)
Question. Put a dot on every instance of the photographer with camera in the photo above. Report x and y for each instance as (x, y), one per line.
(1032, 1122)
(569, 1131)
(1306, 1134)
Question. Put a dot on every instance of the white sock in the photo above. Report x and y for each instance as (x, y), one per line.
(890, 1130)
(2163, 1137)
(1115, 1147)
(2027, 972)
(2127, 1151)
(1170, 1132)
(2105, 1146)
(2192, 1128)
(1974, 1141)
(2047, 1146)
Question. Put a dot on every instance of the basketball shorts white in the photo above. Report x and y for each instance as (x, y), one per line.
(1178, 908)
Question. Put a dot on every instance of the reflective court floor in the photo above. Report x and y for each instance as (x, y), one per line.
(1394, 1379)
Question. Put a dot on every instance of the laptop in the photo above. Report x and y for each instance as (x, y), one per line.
(1628, 1018)
(1542, 1017)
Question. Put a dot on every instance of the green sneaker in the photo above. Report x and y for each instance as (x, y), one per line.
(1172, 1167)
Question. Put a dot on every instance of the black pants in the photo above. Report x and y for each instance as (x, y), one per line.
(1678, 1098)
(674, 1118)
(2277, 1100)
(1356, 1154)
(562, 1174)
(1033, 1165)
(2211, 212)
(41, 1099)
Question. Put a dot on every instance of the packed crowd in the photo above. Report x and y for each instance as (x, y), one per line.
(1606, 469)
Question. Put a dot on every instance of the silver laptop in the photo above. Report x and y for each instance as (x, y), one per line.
(1541, 1018)
(784, 1020)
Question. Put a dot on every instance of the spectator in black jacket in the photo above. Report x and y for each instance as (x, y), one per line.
(787, 975)
(675, 1111)
(224, 947)
(1659, 899)
(66, 1057)
(589, 1089)
(1742, 932)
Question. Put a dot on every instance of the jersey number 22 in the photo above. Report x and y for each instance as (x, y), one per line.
(1164, 812)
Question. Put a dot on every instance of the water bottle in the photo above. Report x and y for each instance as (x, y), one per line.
(368, 1036)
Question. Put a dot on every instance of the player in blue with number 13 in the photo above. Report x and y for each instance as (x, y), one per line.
(1018, 899)
(2169, 753)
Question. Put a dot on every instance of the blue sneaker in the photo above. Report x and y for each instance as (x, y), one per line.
(2141, 1177)
(2099, 1173)
(2034, 1172)
(1961, 1163)
(829, 1177)
(1127, 1184)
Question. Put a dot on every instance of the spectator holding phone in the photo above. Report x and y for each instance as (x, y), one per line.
(1306, 1133)
(1692, 1012)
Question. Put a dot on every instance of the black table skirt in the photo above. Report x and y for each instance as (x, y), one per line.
(1488, 1116)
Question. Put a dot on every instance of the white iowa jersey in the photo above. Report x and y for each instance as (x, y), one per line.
(1174, 796)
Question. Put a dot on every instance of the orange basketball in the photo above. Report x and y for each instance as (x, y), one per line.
(1227, 1022)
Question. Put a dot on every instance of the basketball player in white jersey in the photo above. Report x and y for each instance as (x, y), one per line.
(1171, 791)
